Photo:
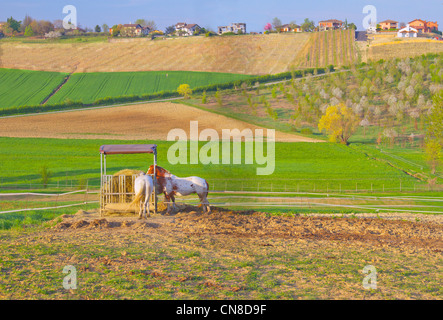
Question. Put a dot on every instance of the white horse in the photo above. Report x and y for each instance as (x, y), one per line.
(172, 186)
(143, 187)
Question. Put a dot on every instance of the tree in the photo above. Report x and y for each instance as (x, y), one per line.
(433, 154)
(141, 22)
(308, 25)
(26, 22)
(105, 27)
(352, 26)
(116, 30)
(151, 25)
(58, 24)
(185, 90)
(435, 118)
(339, 122)
(98, 29)
(276, 23)
(29, 32)
(268, 27)
(170, 29)
(14, 24)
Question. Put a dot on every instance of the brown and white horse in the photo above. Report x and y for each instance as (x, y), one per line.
(171, 186)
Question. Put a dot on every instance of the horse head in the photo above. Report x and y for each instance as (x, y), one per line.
(160, 172)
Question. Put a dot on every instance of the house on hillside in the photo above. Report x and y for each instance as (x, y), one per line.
(388, 25)
(407, 32)
(132, 30)
(290, 28)
(234, 27)
(423, 26)
(432, 26)
(331, 24)
(185, 29)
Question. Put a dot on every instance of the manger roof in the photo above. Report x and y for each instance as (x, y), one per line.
(128, 148)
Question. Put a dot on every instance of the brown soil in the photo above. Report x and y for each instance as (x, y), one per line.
(228, 224)
(150, 121)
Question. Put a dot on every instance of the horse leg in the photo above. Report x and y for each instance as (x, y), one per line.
(140, 210)
(173, 202)
(204, 204)
(168, 200)
(148, 197)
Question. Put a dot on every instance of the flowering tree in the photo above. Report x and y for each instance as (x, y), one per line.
(340, 122)
(268, 27)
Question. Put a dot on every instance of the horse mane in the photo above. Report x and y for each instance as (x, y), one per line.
(158, 170)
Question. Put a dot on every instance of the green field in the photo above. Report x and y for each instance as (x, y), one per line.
(25, 87)
(89, 87)
(298, 166)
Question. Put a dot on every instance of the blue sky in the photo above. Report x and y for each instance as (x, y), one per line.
(211, 13)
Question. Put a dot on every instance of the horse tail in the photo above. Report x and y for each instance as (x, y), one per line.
(138, 197)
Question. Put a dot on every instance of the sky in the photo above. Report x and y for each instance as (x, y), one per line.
(214, 13)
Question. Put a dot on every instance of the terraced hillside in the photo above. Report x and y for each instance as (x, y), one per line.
(247, 54)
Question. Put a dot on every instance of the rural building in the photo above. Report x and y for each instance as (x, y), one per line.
(423, 26)
(290, 28)
(388, 25)
(2, 24)
(330, 24)
(132, 30)
(407, 32)
(184, 29)
(234, 27)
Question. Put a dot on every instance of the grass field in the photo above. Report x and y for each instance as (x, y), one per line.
(24, 87)
(305, 166)
(89, 87)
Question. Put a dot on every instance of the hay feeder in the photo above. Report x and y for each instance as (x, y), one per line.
(117, 190)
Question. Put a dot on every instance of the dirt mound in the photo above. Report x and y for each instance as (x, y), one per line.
(103, 224)
(222, 222)
(261, 225)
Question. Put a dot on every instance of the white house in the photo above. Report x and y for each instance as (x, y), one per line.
(185, 29)
(407, 32)
(234, 27)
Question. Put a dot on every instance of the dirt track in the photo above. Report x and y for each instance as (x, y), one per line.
(150, 121)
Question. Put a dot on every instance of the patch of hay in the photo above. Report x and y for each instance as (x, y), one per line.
(121, 187)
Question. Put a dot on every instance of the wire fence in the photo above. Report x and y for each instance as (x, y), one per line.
(288, 185)
(30, 201)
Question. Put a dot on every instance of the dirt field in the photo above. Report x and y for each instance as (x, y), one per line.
(224, 255)
(150, 121)
(248, 54)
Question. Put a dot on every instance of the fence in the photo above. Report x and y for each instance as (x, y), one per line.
(23, 200)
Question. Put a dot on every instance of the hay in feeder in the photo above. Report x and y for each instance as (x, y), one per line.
(120, 188)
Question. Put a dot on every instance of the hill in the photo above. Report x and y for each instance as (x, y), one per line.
(247, 54)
